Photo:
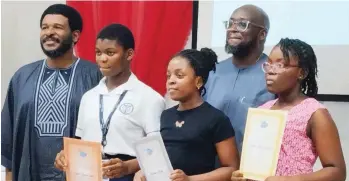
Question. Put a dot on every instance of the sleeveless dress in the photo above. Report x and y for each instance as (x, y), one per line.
(297, 153)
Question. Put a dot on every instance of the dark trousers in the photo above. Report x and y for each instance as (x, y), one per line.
(125, 178)
(123, 158)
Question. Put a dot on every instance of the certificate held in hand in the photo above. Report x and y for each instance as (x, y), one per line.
(84, 160)
(262, 142)
(153, 159)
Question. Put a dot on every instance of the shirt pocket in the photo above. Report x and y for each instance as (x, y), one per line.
(246, 101)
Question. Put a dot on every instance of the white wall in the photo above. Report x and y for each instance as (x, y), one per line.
(20, 36)
(330, 42)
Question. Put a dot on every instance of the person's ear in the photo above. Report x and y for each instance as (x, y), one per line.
(302, 74)
(76, 36)
(263, 35)
(199, 82)
(129, 54)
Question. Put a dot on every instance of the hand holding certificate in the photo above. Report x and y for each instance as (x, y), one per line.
(262, 142)
(84, 160)
(153, 158)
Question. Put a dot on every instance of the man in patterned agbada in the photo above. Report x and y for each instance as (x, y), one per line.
(43, 99)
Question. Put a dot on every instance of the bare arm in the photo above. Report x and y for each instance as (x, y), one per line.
(132, 166)
(8, 176)
(116, 168)
(324, 134)
(229, 159)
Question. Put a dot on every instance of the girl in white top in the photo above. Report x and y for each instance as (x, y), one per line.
(120, 110)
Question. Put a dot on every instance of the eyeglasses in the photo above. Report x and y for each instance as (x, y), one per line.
(275, 67)
(240, 25)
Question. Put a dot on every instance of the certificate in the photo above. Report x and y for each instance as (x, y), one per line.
(153, 159)
(262, 142)
(84, 160)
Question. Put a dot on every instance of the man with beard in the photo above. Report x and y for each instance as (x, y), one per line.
(43, 99)
(239, 81)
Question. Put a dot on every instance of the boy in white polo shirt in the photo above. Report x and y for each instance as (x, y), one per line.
(121, 109)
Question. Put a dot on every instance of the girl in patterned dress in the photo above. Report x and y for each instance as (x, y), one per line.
(310, 131)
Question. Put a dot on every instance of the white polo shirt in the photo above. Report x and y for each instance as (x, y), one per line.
(137, 115)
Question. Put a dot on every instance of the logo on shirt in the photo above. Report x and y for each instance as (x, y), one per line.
(179, 124)
(242, 99)
(126, 108)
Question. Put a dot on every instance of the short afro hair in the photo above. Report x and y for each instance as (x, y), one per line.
(74, 17)
(120, 33)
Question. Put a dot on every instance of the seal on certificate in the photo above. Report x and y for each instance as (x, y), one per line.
(83, 154)
(264, 124)
(149, 151)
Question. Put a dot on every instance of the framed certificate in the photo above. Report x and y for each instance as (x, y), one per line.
(262, 142)
(153, 159)
(84, 160)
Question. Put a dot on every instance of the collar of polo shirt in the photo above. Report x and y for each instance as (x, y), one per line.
(130, 84)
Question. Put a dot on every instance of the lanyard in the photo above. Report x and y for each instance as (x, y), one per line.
(105, 125)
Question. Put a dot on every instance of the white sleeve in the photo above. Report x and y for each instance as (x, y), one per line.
(80, 122)
(151, 114)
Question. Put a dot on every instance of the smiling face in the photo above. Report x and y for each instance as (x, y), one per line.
(56, 37)
(112, 58)
(182, 82)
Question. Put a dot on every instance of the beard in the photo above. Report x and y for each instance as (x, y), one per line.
(242, 50)
(63, 47)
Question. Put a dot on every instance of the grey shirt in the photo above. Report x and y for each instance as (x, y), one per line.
(233, 90)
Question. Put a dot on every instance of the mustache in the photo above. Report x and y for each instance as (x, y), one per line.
(50, 38)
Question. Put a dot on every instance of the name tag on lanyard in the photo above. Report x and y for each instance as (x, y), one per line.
(105, 124)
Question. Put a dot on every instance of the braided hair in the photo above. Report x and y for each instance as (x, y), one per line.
(306, 60)
(203, 62)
